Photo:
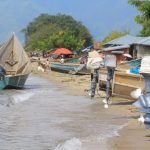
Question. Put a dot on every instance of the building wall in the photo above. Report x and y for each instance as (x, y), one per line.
(120, 57)
(142, 51)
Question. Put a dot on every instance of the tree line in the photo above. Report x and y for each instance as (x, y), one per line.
(48, 32)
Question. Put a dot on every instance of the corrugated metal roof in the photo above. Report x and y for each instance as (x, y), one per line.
(116, 48)
(144, 41)
(87, 49)
(125, 40)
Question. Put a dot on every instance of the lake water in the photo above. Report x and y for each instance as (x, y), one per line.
(45, 117)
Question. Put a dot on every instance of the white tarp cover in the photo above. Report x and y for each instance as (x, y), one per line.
(14, 58)
(145, 65)
(94, 60)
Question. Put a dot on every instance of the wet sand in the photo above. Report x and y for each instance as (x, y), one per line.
(133, 136)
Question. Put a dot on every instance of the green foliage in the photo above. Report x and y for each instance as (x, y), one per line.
(113, 35)
(144, 18)
(49, 32)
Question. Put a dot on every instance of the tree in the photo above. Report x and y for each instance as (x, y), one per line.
(49, 32)
(143, 7)
(113, 35)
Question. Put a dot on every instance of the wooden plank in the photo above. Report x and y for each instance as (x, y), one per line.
(124, 84)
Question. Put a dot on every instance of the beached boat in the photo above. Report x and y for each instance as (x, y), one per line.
(123, 82)
(16, 81)
(66, 60)
(69, 65)
(16, 64)
(67, 68)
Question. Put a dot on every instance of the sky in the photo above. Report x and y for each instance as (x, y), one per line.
(101, 17)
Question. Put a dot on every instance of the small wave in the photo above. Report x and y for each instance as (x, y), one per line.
(109, 132)
(72, 144)
(112, 132)
(17, 98)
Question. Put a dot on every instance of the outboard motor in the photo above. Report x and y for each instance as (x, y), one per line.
(110, 63)
(143, 102)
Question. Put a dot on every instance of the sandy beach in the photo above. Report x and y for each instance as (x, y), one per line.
(133, 136)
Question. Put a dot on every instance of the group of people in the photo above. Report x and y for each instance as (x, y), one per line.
(92, 61)
(95, 61)
(43, 66)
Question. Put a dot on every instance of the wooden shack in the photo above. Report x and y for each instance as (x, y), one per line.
(119, 51)
(142, 47)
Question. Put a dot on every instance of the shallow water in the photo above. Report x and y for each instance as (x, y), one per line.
(44, 117)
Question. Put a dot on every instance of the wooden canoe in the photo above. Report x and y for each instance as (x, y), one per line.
(16, 81)
(125, 83)
(66, 68)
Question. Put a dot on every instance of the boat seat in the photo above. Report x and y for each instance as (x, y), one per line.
(8, 72)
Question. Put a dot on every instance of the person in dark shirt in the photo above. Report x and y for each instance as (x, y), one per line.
(2, 72)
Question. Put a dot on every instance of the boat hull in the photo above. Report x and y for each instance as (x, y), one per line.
(124, 84)
(4, 82)
(66, 68)
(15, 82)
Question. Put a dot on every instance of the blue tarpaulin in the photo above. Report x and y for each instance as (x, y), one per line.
(135, 70)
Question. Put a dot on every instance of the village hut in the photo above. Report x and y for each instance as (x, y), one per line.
(138, 46)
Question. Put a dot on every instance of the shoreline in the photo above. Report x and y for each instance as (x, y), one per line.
(133, 136)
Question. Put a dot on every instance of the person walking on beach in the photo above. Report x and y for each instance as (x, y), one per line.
(40, 65)
(39, 61)
(95, 62)
(110, 63)
(47, 65)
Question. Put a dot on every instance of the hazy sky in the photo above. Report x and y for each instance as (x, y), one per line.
(99, 16)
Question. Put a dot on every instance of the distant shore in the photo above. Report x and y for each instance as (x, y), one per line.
(133, 136)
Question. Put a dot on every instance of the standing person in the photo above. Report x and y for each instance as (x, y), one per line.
(62, 60)
(2, 72)
(110, 64)
(39, 61)
(95, 61)
(40, 66)
(47, 65)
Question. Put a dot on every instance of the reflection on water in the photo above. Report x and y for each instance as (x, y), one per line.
(42, 117)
